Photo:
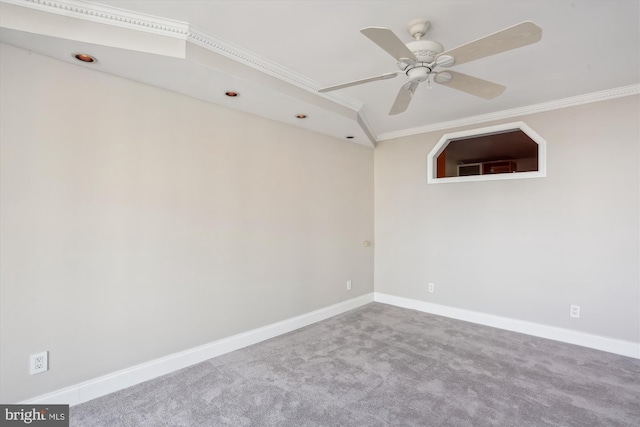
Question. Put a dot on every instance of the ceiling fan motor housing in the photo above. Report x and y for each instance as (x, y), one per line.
(425, 50)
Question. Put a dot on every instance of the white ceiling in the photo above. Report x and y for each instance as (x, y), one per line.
(278, 53)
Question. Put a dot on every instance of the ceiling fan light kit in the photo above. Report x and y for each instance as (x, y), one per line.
(419, 59)
(443, 77)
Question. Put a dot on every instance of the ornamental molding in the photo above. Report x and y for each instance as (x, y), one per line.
(574, 101)
(181, 30)
(108, 15)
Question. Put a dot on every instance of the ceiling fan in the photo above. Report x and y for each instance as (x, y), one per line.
(420, 59)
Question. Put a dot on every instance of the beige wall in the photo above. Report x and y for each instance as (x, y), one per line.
(137, 222)
(529, 248)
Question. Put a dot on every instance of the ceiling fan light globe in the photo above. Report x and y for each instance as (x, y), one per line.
(445, 61)
(443, 77)
(419, 74)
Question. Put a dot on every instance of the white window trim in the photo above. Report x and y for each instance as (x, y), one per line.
(444, 141)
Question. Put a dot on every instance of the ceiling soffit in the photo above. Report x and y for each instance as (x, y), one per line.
(118, 28)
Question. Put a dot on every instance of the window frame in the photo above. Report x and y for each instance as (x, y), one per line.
(442, 144)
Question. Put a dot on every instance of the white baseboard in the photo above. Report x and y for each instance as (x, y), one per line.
(119, 380)
(624, 348)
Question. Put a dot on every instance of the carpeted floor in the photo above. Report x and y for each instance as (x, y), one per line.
(381, 365)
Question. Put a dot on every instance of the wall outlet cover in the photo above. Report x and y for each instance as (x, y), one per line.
(39, 362)
(574, 311)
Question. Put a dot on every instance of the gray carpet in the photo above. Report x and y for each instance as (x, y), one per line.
(381, 365)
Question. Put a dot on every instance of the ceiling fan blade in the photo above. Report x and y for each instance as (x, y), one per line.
(387, 40)
(472, 85)
(404, 97)
(510, 38)
(359, 82)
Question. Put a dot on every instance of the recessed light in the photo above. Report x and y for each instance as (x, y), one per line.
(84, 57)
(350, 136)
(301, 116)
(232, 93)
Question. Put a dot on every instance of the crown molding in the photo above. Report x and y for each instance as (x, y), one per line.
(182, 30)
(521, 111)
(207, 41)
(108, 15)
(246, 57)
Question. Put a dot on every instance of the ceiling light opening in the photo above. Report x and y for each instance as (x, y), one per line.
(350, 136)
(85, 58)
(231, 94)
(301, 116)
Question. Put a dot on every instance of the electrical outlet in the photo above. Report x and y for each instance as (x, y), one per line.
(574, 311)
(431, 288)
(39, 362)
(348, 285)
